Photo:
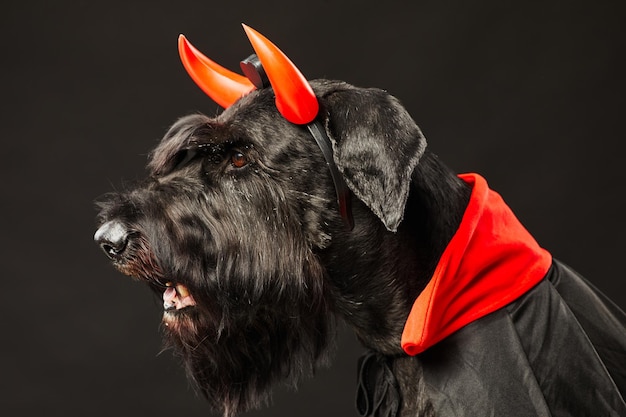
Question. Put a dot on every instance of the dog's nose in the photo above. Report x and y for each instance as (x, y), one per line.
(112, 237)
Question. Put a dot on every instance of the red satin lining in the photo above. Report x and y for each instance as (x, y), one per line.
(491, 261)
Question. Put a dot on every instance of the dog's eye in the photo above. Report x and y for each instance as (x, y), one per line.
(238, 159)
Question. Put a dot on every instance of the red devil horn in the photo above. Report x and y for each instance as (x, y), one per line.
(222, 85)
(295, 98)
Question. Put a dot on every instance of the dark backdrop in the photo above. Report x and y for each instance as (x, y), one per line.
(529, 94)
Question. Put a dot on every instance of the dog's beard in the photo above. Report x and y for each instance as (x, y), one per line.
(235, 346)
(246, 298)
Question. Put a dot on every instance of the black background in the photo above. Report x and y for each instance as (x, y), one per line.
(529, 94)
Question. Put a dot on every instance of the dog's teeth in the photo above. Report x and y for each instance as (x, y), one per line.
(182, 291)
(168, 284)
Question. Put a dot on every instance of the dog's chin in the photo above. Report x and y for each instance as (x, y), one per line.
(234, 364)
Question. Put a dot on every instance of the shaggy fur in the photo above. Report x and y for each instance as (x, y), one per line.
(241, 209)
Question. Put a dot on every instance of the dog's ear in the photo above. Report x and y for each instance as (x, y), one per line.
(377, 145)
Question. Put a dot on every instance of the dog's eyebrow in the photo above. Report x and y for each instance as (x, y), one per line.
(175, 159)
(195, 149)
(185, 134)
(190, 137)
(181, 158)
(188, 153)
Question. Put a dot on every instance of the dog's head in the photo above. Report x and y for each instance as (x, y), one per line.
(229, 225)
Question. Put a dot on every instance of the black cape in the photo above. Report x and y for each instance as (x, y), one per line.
(559, 350)
(503, 329)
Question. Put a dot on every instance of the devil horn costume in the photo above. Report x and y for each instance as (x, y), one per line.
(295, 99)
(502, 329)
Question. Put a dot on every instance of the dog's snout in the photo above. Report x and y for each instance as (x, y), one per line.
(112, 237)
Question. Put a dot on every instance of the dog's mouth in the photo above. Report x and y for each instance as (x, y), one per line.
(177, 297)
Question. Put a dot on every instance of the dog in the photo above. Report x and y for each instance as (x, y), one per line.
(261, 227)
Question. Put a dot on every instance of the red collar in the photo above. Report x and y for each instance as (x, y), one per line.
(490, 262)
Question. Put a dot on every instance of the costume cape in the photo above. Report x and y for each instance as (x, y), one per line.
(503, 329)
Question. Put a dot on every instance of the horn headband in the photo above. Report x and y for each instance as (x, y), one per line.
(295, 99)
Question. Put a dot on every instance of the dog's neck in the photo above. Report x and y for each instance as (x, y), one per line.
(376, 299)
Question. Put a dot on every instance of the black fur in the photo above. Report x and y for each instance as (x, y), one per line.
(261, 246)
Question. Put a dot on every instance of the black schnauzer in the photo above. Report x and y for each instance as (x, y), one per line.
(238, 228)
